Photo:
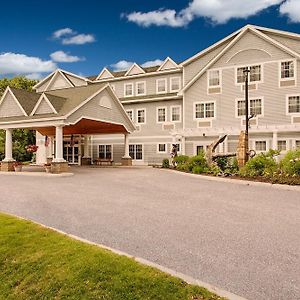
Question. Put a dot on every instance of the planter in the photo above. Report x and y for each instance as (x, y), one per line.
(18, 168)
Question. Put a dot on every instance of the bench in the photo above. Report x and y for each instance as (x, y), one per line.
(103, 162)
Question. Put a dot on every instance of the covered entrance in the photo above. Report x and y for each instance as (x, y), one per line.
(71, 152)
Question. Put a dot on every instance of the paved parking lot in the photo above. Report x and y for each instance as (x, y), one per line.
(244, 239)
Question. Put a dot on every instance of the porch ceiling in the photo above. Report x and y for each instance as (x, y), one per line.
(85, 126)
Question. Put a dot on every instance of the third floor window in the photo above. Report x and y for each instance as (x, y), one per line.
(214, 78)
(255, 74)
(287, 69)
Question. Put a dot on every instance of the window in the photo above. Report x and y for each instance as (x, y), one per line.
(162, 148)
(130, 114)
(174, 84)
(297, 144)
(161, 86)
(255, 74)
(105, 151)
(281, 145)
(161, 114)
(141, 88)
(214, 78)
(128, 89)
(294, 104)
(261, 146)
(255, 107)
(204, 110)
(175, 113)
(287, 69)
(136, 151)
(141, 116)
(199, 150)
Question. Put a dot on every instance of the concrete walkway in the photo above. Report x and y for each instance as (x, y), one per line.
(244, 239)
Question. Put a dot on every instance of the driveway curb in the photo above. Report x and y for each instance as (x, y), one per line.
(186, 278)
(37, 174)
(239, 181)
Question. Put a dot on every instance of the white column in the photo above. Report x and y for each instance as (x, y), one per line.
(86, 147)
(8, 146)
(59, 144)
(275, 140)
(183, 145)
(126, 145)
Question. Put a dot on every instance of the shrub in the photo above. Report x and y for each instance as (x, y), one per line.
(181, 159)
(228, 165)
(166, 163)
(214, 169)
(290, 164)
(198, 160)
(199, 169)
(262, 164)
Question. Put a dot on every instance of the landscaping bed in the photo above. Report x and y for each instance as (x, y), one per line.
(38, 263)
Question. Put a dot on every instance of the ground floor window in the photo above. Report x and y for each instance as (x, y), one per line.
(136, 151)
(261, 146)
(282, 145)
(105, 151)
(200, 149)
(298, 144)
(162, 148)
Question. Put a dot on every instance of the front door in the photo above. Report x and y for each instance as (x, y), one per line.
(71, 152)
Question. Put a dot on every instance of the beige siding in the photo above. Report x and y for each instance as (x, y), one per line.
(59, 82)
(43, 108)
(9, 107)
(76, 81)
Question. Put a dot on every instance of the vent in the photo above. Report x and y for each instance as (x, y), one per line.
(253, 122)
(286, 83)
(168, 126)
(216, 90)
(296, 119)
(204, 124)
(251, 87)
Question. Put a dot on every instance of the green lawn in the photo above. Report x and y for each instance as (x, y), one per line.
(38, 263)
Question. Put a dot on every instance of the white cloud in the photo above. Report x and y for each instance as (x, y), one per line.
(124, 65)
(217, 11)
(152, 63)
(291, 8)
(61, 56)
(34, 76)
(15, 63)
(68, 36)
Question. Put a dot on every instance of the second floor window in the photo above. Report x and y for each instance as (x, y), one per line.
(128, 89)
(161, 114)
(287, 69)
(255, 107)
(175, 113)
(214, 78)
(141, 116)
(141, 88)
(161, 86)
(204, 110)
(294, 104)
(130, 114)
(255, 74)
(175, 84)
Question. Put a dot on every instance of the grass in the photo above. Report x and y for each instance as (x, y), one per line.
(38, 263)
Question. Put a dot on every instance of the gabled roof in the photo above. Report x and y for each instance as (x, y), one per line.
(135, 66)
(105, 73)
(45, 99)
(168, 64)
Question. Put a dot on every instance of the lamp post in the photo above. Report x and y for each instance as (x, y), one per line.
(246, 77)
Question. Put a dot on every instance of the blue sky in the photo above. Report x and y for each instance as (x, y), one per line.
(39, 36)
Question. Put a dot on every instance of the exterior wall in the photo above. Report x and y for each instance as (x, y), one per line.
(43, 108)
(9, 107)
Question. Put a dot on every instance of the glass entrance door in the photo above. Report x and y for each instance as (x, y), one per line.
(71, 152)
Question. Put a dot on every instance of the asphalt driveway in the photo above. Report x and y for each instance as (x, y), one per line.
(244, 239)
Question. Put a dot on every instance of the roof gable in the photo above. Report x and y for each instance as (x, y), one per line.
(59, 81)
(134, 70)
(43, 106)
(104, 74)
(168, 64)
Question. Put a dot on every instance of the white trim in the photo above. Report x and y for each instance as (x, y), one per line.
(179, 84)
(247, 49)
(43, 80)
(132, 113)
(262, 98)
(214, 86)
(249, 66)
(287, 148)
(157, 109)
(103, 144)
(171, 113)
(175, 97)
(143, 152)
(126, 84)
(43, 96)
(137, 116)
(162, 152)
(287, 105)
(205, 118)
(260, 140)
(130, 69)
(104, 70)
(58, 72)
(8, 90)
(288, 78)
(166, 85)
(168, 59)
(136, 88)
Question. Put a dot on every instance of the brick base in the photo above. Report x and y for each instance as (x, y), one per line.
(7, 166)
(86, 161)
(126, 161)
(59, 167)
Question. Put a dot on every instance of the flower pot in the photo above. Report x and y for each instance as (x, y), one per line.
(18, 168)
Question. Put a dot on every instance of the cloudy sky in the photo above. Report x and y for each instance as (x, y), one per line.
(40, 36)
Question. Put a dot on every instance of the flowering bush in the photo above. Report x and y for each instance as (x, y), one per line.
(290, 164)
(31, 148)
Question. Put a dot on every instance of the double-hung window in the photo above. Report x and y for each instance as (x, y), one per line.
(174, 84)
(281, 145)
(287, 70)
(175, 113)
(130, 114)
(260, 145)
(136, 151)
(162, 148)
(128, 89)
(105, 151)
(161, 86)
(161, 114)
(141, 88)
(204, 110)
(293, 104)
(255, 107)
(141, 116)
(214, 78)
(254, 75)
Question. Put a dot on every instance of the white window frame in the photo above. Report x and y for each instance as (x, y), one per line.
(286, 143)
(295, 143)
(166, 85)
(179, 83)
(252, 98)
(205, 118)
(220, 78)
(137, 116)
(261, 140)
(162, 152)
(171, 113)
(132, 113)
(295, 70)
(112, 150)
(249, 66)
(287, 105)
(132, 87)
(136, 88)
(161, 107)
(143, 152)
